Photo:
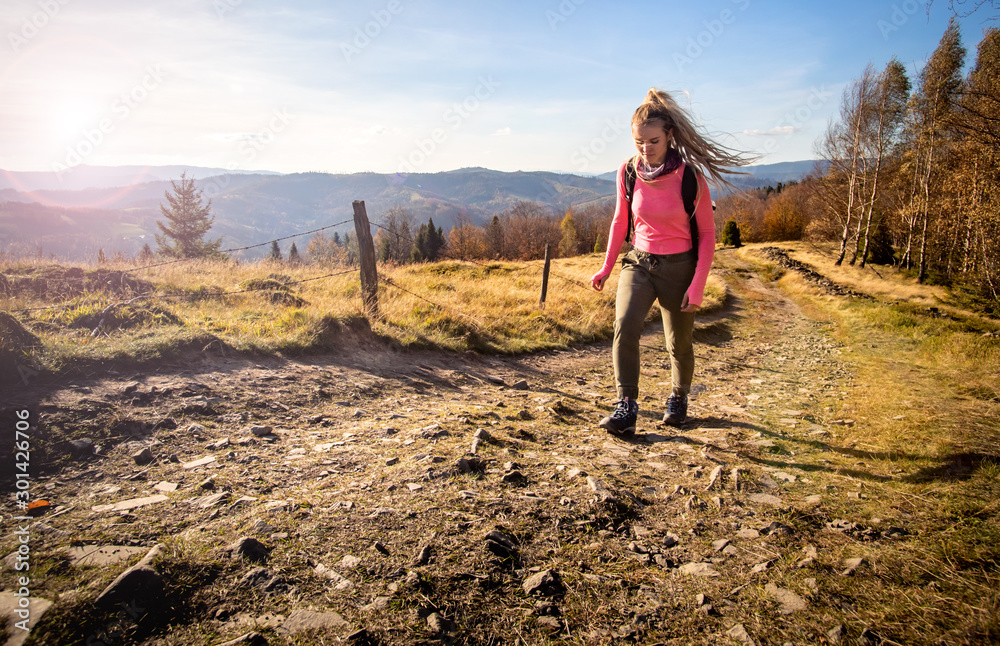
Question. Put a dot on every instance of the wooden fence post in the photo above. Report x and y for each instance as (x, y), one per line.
(545, 276)
(366, 247)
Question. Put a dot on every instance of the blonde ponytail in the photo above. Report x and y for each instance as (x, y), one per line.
(711, 159)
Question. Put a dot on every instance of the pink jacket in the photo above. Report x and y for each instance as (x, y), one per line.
(661, 224)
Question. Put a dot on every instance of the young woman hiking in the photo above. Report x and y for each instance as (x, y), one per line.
(664, 265)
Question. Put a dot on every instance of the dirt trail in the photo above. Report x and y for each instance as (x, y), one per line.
(422, 455)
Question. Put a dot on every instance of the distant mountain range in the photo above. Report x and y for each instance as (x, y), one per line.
(115, 209)
(764, 174)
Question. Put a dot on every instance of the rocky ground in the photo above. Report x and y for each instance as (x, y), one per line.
(383, 497)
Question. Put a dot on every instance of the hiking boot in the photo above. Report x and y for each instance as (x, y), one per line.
(677, 410)
(622, 420)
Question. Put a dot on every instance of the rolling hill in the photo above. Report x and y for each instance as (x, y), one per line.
(74, 217)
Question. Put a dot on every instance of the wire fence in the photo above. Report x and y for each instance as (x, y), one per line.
(383, 280)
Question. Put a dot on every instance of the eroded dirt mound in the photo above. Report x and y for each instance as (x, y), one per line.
(59, 283)
(15, 343)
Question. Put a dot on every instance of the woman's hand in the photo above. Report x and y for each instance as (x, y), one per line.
(686, 305)
(598, 281)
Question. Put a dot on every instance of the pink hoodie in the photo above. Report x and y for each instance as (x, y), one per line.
(661, 224)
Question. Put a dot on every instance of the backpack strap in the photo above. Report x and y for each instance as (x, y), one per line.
(630, 177)
(689, 194)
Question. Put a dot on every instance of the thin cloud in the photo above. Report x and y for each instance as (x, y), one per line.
(777, 131)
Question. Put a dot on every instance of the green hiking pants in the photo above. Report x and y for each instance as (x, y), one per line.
(646, 278)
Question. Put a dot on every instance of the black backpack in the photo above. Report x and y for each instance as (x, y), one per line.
(689, 193)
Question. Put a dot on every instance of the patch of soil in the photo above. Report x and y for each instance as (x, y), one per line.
(419, 497)
(56, 283)
(16, 342)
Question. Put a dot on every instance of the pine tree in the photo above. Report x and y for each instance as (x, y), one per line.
(435, 240)
(275, 254)
(429, 242)
(731, 235)
(146, 254)
(293, 255)
(188, 220)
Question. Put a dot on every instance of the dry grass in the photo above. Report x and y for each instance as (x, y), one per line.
(925, 411)
(273, 307)
(885, 283)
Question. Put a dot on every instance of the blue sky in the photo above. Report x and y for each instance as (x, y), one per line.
(426, 85)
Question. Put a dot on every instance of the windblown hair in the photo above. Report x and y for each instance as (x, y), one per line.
(710, 158)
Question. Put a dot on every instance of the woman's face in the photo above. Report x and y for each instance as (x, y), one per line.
(651, 141)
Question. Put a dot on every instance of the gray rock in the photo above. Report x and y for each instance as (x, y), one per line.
(141, 584)
(250, 549)
(515, 477)
(670, 540)
(440, 625)
(520, 384)
(851, 566)
(261, 431)
(424, 556)
(775, 528)
(546, 583)
(502, 544)
(474, 465)
(302, 620)
(739, 633)
(549, 623)
(765, 499)
(713, 478)
(836, 634)
(81, 448)
(207, 483)
(699, 569)
(719, 545)
(790, 602)
(256, 576)
(143, 457)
